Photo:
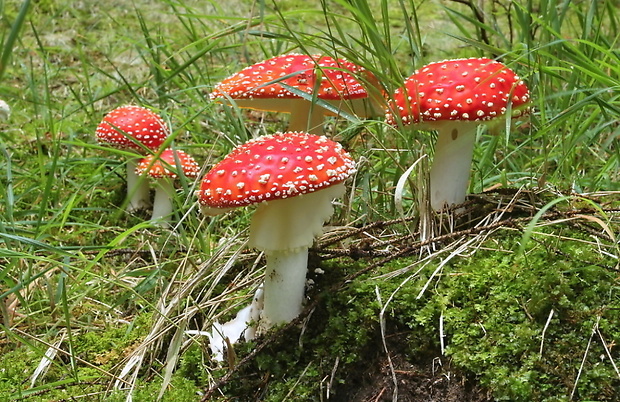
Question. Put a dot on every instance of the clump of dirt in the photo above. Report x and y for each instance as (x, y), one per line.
(428, 379)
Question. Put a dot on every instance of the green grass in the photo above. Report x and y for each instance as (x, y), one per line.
(78, 272)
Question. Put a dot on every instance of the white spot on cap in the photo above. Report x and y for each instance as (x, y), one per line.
(263, 179)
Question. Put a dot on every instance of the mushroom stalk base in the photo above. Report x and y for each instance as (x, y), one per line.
(285, 280)
(449, 175)
(137, 188)
(242, 326)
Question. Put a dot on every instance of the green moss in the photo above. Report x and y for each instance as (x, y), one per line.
(15, 365)
(180, 389)
(103, 349)
(494, 306)
(498, 310)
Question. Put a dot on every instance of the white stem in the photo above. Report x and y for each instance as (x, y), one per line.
(292, 223)
(137, 188)
(307, 118)
(284, 230)
(162, 205)
(285, 280)
(449, 175)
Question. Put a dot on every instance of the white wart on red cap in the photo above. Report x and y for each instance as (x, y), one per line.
(475, 89)
(263, 80)
(139, 123)
(160, 167)
(274, 167)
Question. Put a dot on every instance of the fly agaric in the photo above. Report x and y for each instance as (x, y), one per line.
(293, 177)
(137, 129)
(265, 86)
(454, 97)
(164, 169)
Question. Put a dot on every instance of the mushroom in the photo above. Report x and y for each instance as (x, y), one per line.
(454, 97)
(137, 129)
(5, 110)
(164, 169)
(274, 85)
(293, 177)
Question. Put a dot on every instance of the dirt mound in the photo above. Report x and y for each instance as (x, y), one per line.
(431, 379)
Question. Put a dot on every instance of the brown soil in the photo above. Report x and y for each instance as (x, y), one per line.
(430, 379)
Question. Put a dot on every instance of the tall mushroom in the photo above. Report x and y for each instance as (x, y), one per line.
(267, 86)
(163, 170)
(293, 177)
(454, 97)
(137, 129)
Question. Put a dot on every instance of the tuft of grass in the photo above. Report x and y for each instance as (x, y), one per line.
(10, 36)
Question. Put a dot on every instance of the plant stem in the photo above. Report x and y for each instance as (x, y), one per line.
(308, 118)
(451, 166)
(162, 205)
(137, 188)
(285, 280)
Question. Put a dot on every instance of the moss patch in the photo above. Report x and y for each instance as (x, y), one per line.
(103, 349)
(495, 310)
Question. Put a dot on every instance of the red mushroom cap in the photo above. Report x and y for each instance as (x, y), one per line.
(160, 167)
(461, 89)
(273, 167)
(139, 123)
(301, 72)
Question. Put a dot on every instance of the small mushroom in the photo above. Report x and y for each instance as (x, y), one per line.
(5, 110)
(454, 97)
(137, 129)
(266, 86)
(293, 178)
(164, 169)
